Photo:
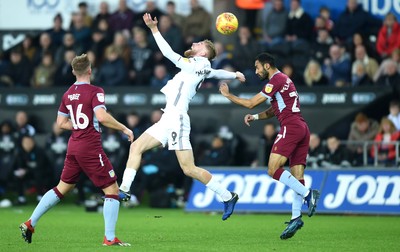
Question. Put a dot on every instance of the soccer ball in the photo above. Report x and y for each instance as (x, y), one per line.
(226, 23)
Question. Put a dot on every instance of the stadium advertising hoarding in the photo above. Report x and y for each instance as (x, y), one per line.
(342, 191)
(146, 97)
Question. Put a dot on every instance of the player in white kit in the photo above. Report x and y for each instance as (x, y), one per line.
(174, 125)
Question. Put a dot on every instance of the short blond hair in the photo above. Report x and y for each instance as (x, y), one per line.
(210, 48)
(80, 64)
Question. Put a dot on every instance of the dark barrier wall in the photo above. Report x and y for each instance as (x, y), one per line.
(321, 107)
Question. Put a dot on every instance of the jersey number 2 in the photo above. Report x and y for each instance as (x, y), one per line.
(79, 120)
(296, 98)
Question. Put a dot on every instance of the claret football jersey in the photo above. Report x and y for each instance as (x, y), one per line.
(79, 103)
(284, 99)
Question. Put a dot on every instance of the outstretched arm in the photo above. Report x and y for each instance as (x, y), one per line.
(165, 48)
(225, 75)
(248, 103)
(110, 122)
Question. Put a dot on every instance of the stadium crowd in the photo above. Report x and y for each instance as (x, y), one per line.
(353, 50)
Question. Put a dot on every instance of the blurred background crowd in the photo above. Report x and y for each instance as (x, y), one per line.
(355, 49)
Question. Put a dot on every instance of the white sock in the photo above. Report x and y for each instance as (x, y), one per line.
(127, 179)
(296, 205)
(216, 187)
(288, 179)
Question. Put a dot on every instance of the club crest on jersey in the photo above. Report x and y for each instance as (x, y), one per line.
(100, 97)
(186, 60)
(268, 88)
(111, 173)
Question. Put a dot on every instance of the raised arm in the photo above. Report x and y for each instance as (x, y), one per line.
(165, 48)
(248, 103)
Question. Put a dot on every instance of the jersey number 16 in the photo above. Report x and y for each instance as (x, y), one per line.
(79, 120)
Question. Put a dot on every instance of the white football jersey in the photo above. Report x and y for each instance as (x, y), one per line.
(180, 90)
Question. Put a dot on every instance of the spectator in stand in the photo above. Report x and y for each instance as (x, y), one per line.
(4, 63)
(56, 149)
(152, 9)
(28, 49)
(289, 70)
(388, 36)
(23, 126)
(360, 40)
(217, 154)
(321, 45)
(385, 150)
(338, 67)
(352, 20)
(122, 19)
(83, 10)
(124, 50)
(135, 123)
(177, 19)
(8, 155)
(43, 74)
(64, 76)
(394, 57)
(142, 58)
(82, 33)
(274, 26)
(325, 13)
(68, 44)
(222, 58)
(370, 64)
(390, 77)
(362, 129)
(197, 25)
(299, 28)
(99, 43)
(319, 23)
(112, 71)
(57, 32)
(160, 76)
(19, 72)
(102, 14)
(394, 113)
(250, 10)
(45, 45)
(316, 152)
(94, 64)
(246, 48)
(31, 170)
(104, 27)
(336, 155)
(359, 75)
(313, 75)
(266, 141)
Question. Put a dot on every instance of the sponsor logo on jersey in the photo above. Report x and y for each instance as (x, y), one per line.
(100, 97)
(268, 88)
(203, 72)
(72, 97)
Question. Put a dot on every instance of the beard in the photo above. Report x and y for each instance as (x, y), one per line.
(188, 53)
(264, 75)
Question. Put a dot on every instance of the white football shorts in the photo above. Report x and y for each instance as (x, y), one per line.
(174, 129)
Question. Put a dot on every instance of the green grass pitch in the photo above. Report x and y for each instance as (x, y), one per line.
(69, 228)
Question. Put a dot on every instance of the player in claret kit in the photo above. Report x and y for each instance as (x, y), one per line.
(82, 108)
(291, 142)
(174, 125)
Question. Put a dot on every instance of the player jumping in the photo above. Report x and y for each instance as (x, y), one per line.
(291, 142)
